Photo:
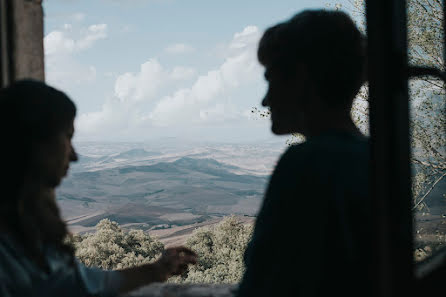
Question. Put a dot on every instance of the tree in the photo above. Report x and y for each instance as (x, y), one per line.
(220, 253)
(220, 250)
(112, 248)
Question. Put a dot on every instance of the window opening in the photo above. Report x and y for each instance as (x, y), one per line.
(427, 155)
(427, 127)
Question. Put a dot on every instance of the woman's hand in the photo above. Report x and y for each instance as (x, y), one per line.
(174, 261)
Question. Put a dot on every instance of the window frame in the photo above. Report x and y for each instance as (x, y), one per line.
(393, 269)
(6, 44)
(392, 264)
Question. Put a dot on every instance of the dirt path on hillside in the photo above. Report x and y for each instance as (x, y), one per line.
(178, 235)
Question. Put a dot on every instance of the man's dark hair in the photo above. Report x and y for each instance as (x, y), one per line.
(329, 45)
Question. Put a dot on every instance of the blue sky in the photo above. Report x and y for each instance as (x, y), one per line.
(143, 69)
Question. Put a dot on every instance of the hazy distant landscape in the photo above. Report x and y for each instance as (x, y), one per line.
(165, 187)
(170, 188)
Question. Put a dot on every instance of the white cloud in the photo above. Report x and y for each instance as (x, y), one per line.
(157, 96)
(56, 42)
(64, 72)
(126, 111)
(189, 104)
(145, 84)
(142, 85)
(185, 103)
(94, 33)
(62, 68)
(247, 37)
(181, 73)
(220, 112)
(179, 48)
(112, 118)
(59, 42)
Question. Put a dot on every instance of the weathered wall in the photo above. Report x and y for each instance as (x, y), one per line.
(28, 55)
(195, 290)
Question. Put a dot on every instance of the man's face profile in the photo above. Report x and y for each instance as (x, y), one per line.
(286, 97)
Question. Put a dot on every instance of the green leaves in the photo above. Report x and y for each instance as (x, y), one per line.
(112, 248)
(220, 250)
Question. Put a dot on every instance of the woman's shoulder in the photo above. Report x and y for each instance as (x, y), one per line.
(10, 249)
(14, 267)
(15, 263)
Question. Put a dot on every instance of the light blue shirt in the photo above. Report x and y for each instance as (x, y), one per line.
(21, 277)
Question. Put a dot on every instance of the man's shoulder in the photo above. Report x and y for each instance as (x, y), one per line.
(298, 153)
(327, 143)
(297, 158)
(326, 150)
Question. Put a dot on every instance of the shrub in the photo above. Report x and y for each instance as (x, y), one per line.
(220, 253)
(112, 248)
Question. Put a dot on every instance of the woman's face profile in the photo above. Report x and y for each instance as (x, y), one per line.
(53, 157)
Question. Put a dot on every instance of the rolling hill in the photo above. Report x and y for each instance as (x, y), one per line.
(161, 195)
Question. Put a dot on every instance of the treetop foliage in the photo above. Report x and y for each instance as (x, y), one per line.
(220, 250)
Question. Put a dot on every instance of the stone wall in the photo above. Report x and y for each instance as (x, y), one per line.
(28, 52)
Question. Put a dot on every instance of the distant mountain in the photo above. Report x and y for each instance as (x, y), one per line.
(87, 163)
(136, 153)
(86, 159)
(187, 190)
(258, 159)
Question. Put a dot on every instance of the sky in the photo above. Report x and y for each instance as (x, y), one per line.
(140, 70)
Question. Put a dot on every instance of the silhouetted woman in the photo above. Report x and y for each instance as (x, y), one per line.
(36, 127)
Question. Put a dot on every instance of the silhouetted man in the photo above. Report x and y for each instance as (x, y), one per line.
(312, 234)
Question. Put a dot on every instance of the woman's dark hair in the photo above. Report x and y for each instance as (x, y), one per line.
(31, 112)
(330, 46)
